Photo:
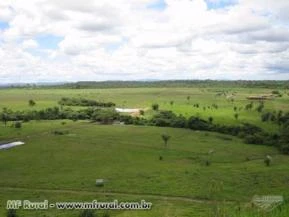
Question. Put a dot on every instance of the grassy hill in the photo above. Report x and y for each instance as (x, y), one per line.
(64, 167)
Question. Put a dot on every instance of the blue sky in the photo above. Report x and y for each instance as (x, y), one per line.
(48, 41)
(157, 5)
(4, 25)
(211, 4)
(220, 3)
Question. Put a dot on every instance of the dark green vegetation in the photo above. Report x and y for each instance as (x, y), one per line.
(83, 102)
(189, 156)
(250, 133)
(178, 83)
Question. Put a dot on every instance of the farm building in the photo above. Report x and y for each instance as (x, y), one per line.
(126, 110)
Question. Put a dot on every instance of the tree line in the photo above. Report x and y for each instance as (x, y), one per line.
(158, 83)
(83, 102)
(248, 132)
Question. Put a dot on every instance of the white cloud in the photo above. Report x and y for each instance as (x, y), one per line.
(29, 44)
(125, 39)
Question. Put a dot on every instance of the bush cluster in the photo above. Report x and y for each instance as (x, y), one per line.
(83, 102)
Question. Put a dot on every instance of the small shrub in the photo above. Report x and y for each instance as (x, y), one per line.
(11, 213)
(207, 163)
(26, 119)
(268, 160)
(141, 112)
(60, 132)
(155, 107)
(210, 119)
(254, 139)
(31, 103)
(87, 213)
(161, 158)
(241, 135)
(18, 124)
(260, 107)
(106, 214)
(275, 92)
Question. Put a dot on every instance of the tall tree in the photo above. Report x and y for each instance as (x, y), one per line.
(4, 116)
(166, 138)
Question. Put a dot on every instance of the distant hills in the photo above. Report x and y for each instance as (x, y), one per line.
(153, 83)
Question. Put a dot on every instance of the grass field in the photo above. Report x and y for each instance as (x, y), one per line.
(17, 99)
(64, 167)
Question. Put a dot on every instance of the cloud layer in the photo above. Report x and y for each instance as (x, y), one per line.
(67, 40)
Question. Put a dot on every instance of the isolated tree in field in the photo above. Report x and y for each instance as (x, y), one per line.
(236, 115)
(165, 138)
(172, 102)
(31, 103)
(188, 98)
(155, 107)
(210, 119)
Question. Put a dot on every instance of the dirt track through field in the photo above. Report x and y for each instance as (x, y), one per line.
(143, 196)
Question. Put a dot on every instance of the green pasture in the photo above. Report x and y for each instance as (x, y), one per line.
(17, 99)
(64, 167)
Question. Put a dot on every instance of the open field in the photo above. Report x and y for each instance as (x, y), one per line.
(127, 156)
(144, 108)
(64, 167)
(17, 99)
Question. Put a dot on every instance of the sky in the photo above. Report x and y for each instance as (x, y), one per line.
(95, 40)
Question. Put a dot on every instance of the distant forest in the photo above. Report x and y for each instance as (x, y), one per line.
(163, 83)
